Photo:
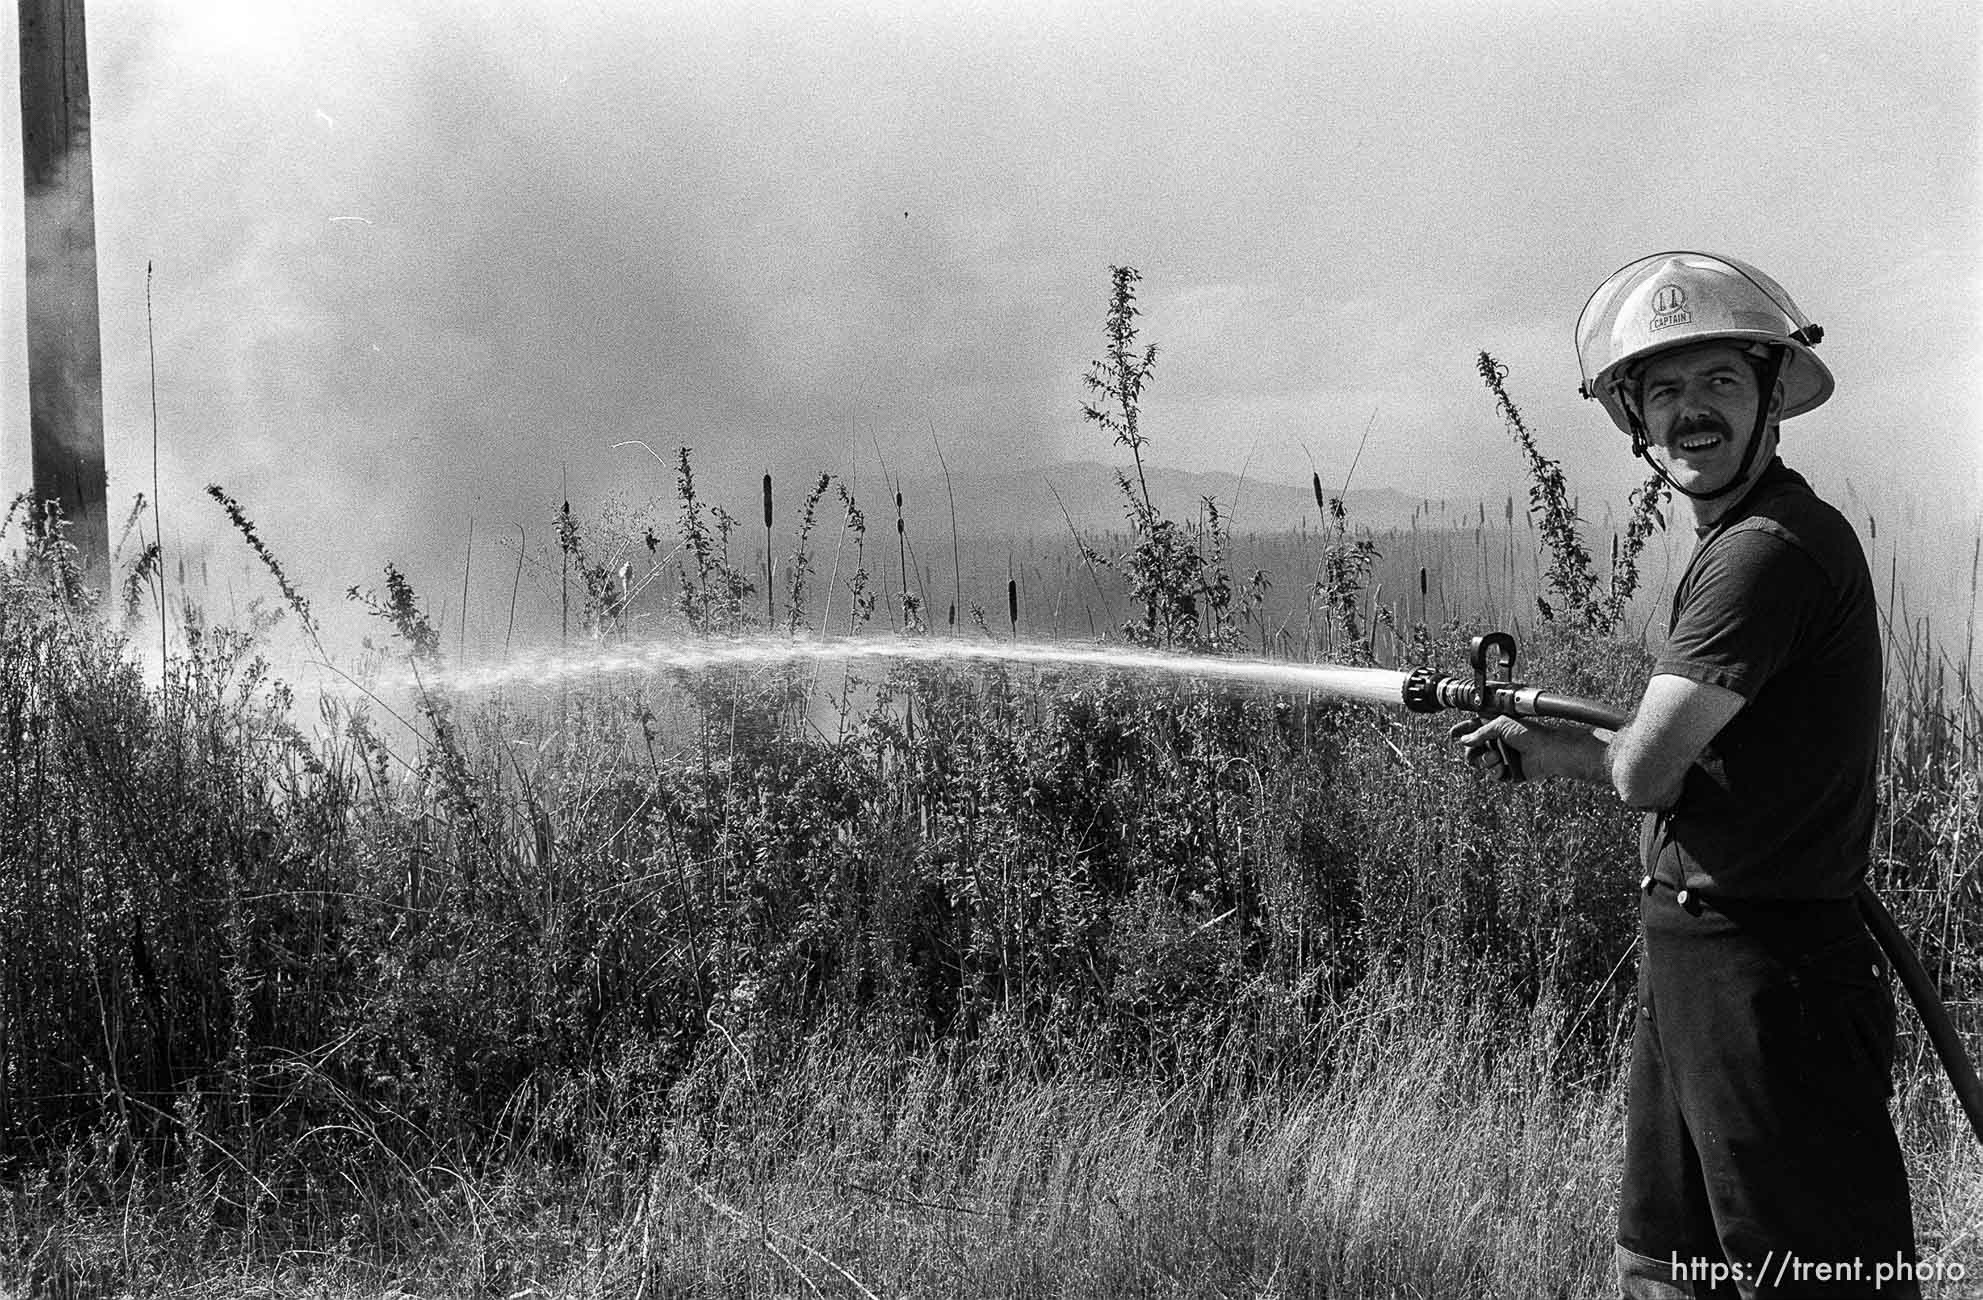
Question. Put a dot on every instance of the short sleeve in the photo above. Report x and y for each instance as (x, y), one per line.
(1747, 606)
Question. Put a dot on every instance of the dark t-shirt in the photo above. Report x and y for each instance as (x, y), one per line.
(1777, 606)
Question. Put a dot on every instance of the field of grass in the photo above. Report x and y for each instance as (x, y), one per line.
(1009, 983)
(921, 980)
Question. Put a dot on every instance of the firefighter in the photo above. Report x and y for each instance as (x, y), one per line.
(1760, 1158)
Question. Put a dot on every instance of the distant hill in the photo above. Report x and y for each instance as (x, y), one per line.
(1022, 503)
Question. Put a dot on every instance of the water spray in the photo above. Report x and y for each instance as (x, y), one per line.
(555, 668)
(1488, 690)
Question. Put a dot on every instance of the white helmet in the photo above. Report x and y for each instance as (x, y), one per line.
(1672, 300)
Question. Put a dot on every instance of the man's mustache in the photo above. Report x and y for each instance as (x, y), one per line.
(1703, 423)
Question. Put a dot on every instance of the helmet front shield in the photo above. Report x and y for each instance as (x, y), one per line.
(1677, 299)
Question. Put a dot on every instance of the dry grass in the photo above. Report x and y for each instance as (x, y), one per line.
(1427, 1153)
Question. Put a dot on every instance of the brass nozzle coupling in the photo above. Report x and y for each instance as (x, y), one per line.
(1490, 690)
(1430, 692)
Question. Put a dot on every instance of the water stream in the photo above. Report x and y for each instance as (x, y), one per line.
(562, 668)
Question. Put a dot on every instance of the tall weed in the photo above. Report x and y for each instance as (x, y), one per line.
(1177, 574)
(1572, 576)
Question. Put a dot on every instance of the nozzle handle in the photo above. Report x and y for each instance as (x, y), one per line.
(1477, 655)
(1499, 646)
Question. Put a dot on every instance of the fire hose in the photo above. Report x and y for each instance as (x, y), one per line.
(1492, 692)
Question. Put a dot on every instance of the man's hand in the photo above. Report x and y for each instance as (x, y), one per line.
(1539, 750)
(1489, 745)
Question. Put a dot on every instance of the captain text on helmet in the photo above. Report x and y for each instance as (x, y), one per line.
(1757, 1135)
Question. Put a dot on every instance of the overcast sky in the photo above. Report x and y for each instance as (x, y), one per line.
(415, 268)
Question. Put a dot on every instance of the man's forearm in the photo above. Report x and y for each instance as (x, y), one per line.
(1579, 755)
(1594, 757)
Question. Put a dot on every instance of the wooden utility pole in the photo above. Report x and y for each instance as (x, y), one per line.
(65, 351)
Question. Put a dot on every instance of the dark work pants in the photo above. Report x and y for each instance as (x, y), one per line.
(1760, 1159)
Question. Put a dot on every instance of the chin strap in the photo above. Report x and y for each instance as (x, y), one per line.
(1642, 444)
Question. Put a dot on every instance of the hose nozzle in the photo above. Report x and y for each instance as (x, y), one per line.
(1490, 691)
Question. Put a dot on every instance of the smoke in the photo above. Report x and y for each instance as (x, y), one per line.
(434, 267)
(434, 262)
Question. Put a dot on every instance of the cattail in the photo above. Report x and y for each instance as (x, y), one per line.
(770, 597)
(1012, 604)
